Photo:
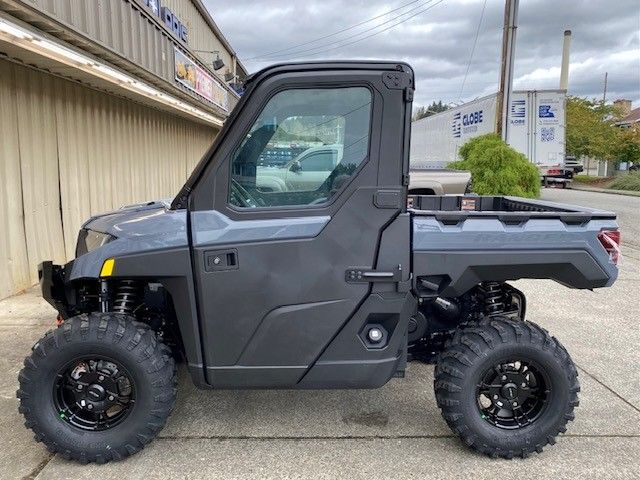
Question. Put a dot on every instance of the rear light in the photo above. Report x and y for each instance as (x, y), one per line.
(554, 171)
(610, 240)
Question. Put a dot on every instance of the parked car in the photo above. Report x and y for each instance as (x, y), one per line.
(439, 182)
(336, 287)
(307, 171)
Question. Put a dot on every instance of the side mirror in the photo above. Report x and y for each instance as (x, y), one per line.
(295, 167)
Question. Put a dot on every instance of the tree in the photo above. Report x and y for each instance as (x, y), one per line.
(628, 145)
(590, 130)
(422, 112)
(498, 169)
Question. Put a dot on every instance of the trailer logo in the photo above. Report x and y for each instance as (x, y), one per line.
(518, 112)
(456, 126)
(467, 123)
(546, 111)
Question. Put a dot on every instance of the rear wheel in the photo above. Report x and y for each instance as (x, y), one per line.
(506, 387)
(98, 388)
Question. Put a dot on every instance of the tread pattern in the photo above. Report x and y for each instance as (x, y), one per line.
(122, 332)
(475, 340)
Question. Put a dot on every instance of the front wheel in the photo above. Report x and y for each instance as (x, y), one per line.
(506, 387)
(98, 388)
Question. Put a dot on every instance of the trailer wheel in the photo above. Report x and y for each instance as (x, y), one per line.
(506, 387)
(98, 388)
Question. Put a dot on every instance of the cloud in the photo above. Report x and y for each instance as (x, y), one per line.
(438, 41)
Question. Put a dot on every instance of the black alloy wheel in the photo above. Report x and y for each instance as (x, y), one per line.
(513, 394)
(93, 393)
(98, 388)
(506, 387)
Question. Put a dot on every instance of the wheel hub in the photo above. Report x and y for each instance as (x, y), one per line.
(94, 394)
(510, 391)
(512, 395)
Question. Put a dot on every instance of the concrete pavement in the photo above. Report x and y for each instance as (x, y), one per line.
(393, 432)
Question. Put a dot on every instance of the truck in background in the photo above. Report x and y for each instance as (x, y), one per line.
(430, 181)
(536, 129)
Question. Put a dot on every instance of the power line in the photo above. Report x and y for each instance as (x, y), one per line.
(371, 35)
(334, 33)
(317, 47)
(473, 49)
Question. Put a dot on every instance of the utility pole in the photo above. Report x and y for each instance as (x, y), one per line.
(506, 68)
(604, 93)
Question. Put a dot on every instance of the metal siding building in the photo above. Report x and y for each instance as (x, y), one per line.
(76, 142)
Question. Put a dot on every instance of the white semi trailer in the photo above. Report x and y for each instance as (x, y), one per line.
(536, 129)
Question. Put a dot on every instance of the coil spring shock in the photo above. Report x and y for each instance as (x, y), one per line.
(493, 298)
(127, 297)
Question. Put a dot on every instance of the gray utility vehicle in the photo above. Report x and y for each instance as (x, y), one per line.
(333, 287)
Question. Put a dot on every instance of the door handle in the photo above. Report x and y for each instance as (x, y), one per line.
(219, 260)
(366, 275)
(377, 275)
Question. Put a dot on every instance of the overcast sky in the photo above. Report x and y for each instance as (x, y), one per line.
(438, 40)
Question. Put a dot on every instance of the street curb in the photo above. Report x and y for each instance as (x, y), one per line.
(605, 190)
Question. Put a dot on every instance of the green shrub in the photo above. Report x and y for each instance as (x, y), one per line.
(589, 179)
(498, 169)
(630, 181)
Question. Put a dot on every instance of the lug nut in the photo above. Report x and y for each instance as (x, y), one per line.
(79, 387)
(515, 404)
(524, 385)
(504, 377)
(111, 398)
(101, 378)
(495, 397)
(375, 335)
(89, 407)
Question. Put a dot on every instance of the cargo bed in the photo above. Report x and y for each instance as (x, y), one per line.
(458, 206)
(460, 241)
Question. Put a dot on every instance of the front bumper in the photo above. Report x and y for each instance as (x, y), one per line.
(52, 285)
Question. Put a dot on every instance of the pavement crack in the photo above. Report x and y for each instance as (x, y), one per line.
(36, 471)
(609, 388)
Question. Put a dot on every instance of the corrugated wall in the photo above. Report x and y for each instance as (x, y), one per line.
(135, 33)
(120, 25)
(68, 152)
(201, 37)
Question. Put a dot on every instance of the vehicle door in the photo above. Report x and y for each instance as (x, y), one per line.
(272, 267)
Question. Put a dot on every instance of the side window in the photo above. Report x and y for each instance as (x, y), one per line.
(305, 145)
(322, 161)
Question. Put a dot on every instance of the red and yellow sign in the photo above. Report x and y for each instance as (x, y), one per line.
(196, 79)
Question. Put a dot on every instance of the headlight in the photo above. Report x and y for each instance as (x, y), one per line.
(88, 240)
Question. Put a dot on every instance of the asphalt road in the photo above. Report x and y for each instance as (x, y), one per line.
(626, 207)
(392, 432)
